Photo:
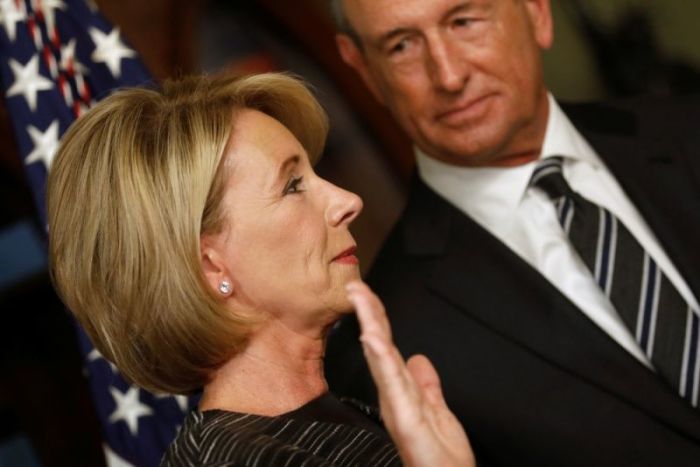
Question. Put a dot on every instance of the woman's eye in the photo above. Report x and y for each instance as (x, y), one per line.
(293, 186)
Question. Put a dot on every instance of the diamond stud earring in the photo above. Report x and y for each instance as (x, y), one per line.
(225, 287)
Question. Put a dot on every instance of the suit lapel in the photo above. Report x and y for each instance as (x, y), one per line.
(528, 310)
(656, 178)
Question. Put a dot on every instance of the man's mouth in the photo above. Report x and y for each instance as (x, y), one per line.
(465, 111)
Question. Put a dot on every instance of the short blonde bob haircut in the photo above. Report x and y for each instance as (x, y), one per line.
(136, 182)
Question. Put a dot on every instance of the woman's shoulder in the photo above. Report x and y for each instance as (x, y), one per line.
(218, 437)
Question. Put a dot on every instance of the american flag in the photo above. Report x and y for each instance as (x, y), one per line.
(57, 58)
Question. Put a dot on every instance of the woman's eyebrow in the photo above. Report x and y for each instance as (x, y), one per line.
(285, 168)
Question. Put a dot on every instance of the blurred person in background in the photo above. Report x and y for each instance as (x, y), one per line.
(546, 261)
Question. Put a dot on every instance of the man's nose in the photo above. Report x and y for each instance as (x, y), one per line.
(449, 70)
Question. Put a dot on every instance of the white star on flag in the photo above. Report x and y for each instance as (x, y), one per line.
(48, 7)
(129, 408)
(110, 50)
(92, 5)
(95, 355)
(179, 399)
(10, 15)
(45, 144)
(28, 81)
(68, 57)
(113, 459)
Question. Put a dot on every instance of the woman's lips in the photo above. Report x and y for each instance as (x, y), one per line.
(347, 256)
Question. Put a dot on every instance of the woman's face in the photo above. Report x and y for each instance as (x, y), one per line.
(286, 247)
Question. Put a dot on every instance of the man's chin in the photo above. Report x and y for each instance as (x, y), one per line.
(464, 154)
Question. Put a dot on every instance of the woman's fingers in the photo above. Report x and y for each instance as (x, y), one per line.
(385, 362)
(370, 309)
(410, 397)
(391, 377)
(426, 378)
(398, 393)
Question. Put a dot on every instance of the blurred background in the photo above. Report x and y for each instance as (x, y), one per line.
(602, 49)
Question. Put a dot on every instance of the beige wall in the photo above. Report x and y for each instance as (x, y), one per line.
(569, 68)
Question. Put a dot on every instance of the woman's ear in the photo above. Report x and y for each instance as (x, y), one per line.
(215, 270)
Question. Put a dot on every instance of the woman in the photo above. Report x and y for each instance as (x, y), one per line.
(199, 250)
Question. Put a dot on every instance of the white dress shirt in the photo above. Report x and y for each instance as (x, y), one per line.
(525, 219)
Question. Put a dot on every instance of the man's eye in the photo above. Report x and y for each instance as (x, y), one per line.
(462, 21)
(398, 47)
(293, 186)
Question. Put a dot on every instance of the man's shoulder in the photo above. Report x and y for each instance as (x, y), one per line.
(637, 104)
(418, 235)
(652, 116)
(429, 231)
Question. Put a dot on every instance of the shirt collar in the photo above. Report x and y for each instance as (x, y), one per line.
(563, 139)
(491, 194)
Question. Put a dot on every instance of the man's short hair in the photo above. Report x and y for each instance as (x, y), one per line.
(341, 21)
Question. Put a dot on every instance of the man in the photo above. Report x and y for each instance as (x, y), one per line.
(547, 259)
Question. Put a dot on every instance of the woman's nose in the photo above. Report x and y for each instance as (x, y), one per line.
(343, 207)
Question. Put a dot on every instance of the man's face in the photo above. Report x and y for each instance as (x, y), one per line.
(462, 77)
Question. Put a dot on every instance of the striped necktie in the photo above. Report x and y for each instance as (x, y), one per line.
(663, 323)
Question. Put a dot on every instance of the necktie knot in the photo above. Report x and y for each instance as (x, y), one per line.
(549, 177)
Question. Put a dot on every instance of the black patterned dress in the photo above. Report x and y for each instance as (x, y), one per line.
(324, 432)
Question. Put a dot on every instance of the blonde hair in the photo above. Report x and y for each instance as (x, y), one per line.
(136, 182)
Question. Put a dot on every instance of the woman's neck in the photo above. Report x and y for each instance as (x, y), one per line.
(279, 371)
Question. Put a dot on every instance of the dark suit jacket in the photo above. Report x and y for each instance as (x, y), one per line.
(532, 379)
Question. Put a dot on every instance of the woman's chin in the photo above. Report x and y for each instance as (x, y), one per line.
(350, 273)
(342, 306)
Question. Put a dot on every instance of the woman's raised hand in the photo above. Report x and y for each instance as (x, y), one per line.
(424, 429)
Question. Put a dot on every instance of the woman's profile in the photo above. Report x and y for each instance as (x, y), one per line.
(195, 244)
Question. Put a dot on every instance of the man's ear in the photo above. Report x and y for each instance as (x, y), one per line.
(213, 265)
(540, 12)
(355, 58)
